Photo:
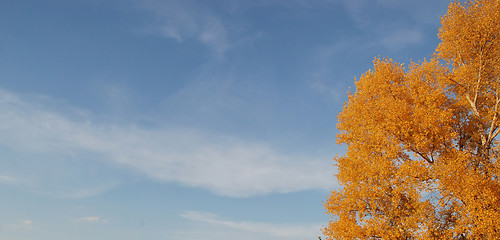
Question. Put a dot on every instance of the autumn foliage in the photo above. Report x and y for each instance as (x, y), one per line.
(422, 155)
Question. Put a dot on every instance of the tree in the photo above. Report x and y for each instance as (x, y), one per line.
(422, 155)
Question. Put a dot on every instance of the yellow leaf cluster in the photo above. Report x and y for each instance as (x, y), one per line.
(422, 156)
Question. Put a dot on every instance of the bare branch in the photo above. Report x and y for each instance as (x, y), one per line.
(427, 159)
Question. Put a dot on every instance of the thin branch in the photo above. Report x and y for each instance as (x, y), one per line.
(455, 82)
(425, 157)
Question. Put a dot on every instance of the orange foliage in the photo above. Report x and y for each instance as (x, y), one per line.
(422, 156)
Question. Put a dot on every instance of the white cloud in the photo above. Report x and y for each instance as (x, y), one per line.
(225, 165)
(276, 230)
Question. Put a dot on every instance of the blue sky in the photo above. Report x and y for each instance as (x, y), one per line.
(170, 119)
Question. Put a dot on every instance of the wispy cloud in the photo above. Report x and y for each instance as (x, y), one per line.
(335, 93)
(26, 224)
(87, 192)
(276, 230)
(182, 21)
(7, 179)
(422, 12)
(92, 219)
(226, 165)
(395, 24)
(402, 38)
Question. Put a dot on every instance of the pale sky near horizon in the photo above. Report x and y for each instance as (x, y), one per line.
(184, 119)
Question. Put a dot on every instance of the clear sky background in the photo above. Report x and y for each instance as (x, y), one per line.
(181, 119)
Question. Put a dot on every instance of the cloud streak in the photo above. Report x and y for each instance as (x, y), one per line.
(225, 165)
(276, 230)
(92, 219)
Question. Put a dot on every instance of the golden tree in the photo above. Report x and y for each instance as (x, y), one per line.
(422, 156)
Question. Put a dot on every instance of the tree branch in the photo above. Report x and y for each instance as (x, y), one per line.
(425, 157)
(493, 130)
(478, 77)
(476, 113)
